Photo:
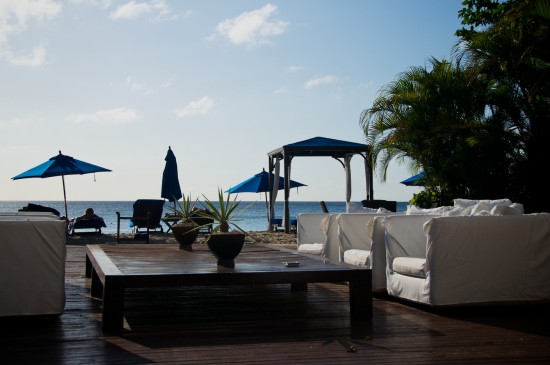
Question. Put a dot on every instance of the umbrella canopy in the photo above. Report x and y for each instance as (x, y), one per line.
(416, 180)
(170, 183)
(259, 183)
(60, 165)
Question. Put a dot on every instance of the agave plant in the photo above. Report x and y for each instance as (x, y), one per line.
(185, 209)
(225, 214)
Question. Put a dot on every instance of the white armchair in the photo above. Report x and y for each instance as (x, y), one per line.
(361, 243)
(441, 261)
(311, 235)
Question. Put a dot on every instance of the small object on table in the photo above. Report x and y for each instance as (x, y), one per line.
(291, 264)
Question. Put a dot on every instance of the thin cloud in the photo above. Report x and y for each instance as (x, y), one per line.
(133, 10)
(35, 58)
(282, 90)
(115, 116)
(105, 4)
(329, 79)
(252, 27)
(138, 86)
(294, 69)
(15, 17)
(11, 123)
(198, 107)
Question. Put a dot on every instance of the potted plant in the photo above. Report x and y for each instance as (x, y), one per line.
(185, 231)
(224, 243)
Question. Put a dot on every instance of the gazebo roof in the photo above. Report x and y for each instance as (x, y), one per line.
(318, 146)
(321, 146)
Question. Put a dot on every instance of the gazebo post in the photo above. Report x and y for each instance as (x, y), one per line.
(287, 160)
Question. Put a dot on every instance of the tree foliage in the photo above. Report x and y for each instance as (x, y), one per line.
(477, 125)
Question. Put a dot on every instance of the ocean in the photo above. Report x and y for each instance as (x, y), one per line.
(252, 219)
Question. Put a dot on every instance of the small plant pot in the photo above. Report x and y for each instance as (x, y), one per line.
(185, 235)
(225, 246)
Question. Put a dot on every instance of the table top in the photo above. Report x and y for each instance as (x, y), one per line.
(170, 218)
(257, 263)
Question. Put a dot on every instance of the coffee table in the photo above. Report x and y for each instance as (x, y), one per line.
(112, 268)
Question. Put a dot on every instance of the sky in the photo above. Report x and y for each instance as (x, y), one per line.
(114, 83)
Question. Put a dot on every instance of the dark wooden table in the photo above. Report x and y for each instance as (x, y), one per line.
(112, 268)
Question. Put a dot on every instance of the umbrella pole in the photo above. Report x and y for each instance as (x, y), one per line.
(64, 196)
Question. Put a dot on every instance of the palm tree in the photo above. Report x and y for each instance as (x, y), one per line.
(436, 120)
(513, 53)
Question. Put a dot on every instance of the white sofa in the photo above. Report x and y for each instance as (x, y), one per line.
(32, 264)
(460, 260)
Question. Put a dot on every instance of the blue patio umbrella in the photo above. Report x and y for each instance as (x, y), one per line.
(259, 183)
(170, 182)
(416, 180)
(61, 165)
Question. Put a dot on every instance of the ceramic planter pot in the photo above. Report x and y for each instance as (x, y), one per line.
(184, 234)
(226, 246)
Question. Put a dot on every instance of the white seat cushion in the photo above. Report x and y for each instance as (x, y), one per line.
(311, 248)
(357, 257)
(410, 266)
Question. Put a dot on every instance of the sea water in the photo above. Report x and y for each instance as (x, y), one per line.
(254, 218)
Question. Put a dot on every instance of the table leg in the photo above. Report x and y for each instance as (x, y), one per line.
(88, 267)
(360, 298)
(113, 304)
(96, 289)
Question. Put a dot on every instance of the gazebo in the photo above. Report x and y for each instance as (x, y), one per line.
(342, 151)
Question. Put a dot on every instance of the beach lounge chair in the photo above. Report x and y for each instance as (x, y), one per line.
(94, 224)
(277, 223)
(146, 216)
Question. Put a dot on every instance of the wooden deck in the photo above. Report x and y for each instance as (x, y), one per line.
(270, 325)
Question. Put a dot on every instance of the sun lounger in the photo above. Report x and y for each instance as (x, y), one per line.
(94, 224)
(147, 216)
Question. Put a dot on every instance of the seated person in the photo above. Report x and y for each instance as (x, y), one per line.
(88, 220)
(88, 214)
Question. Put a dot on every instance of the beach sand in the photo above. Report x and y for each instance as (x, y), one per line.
(279, 238)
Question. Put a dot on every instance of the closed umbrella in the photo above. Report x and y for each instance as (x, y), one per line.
(171, 189)
(61, 165)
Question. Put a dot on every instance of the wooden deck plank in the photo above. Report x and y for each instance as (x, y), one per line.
(270, 325)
